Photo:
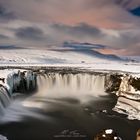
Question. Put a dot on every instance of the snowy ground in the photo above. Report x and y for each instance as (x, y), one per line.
(28, 57)
(46, 57)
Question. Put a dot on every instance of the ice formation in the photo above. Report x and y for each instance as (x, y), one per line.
(15, 81)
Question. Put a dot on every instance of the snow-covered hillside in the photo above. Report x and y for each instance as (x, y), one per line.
(52, 56)
(91, 50)
(71, 54)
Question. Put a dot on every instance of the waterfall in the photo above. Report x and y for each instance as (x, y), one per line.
(16, 82)
(4, 98)
(71, 84)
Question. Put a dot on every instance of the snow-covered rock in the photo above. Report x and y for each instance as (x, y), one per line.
(128, 93)
(127, 88)
(112, 82)
(130, 87)
(107, 134)
(129, 107)
(15, 81)
(20, 81)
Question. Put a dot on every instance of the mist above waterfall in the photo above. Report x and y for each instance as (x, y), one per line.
(81, 87)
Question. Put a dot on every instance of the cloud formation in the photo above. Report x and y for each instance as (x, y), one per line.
(51, 22)
(3, 36)
(30, 33)
(6, 15)
(105, 13)
(81, 30)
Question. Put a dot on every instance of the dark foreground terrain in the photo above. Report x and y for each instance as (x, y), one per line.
(65, 119)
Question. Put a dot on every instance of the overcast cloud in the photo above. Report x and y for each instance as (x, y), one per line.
(51, 22)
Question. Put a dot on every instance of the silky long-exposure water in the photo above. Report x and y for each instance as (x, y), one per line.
(65, 106)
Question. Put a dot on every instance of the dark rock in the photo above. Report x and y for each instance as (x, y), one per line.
(135, 82)
(2, 79)
(138, 135)
(107, 134)
(112, 82)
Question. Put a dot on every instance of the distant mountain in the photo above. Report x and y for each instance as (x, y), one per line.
(88, 49)
(86, 45)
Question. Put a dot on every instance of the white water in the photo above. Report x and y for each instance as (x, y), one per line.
(4, 99)
(82, 87)
(55, 85)
(71, 84)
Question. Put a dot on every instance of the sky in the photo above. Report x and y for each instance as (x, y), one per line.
(47, 23)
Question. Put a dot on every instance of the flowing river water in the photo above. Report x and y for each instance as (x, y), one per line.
(65, 107)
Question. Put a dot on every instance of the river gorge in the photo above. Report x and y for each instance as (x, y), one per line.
(68, 103)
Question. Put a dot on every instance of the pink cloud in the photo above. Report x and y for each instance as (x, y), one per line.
(110, 15)
(103, 14)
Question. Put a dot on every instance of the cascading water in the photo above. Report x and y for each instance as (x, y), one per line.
(15, 82)
(82, 87)
(4, 98)
(71, 84)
